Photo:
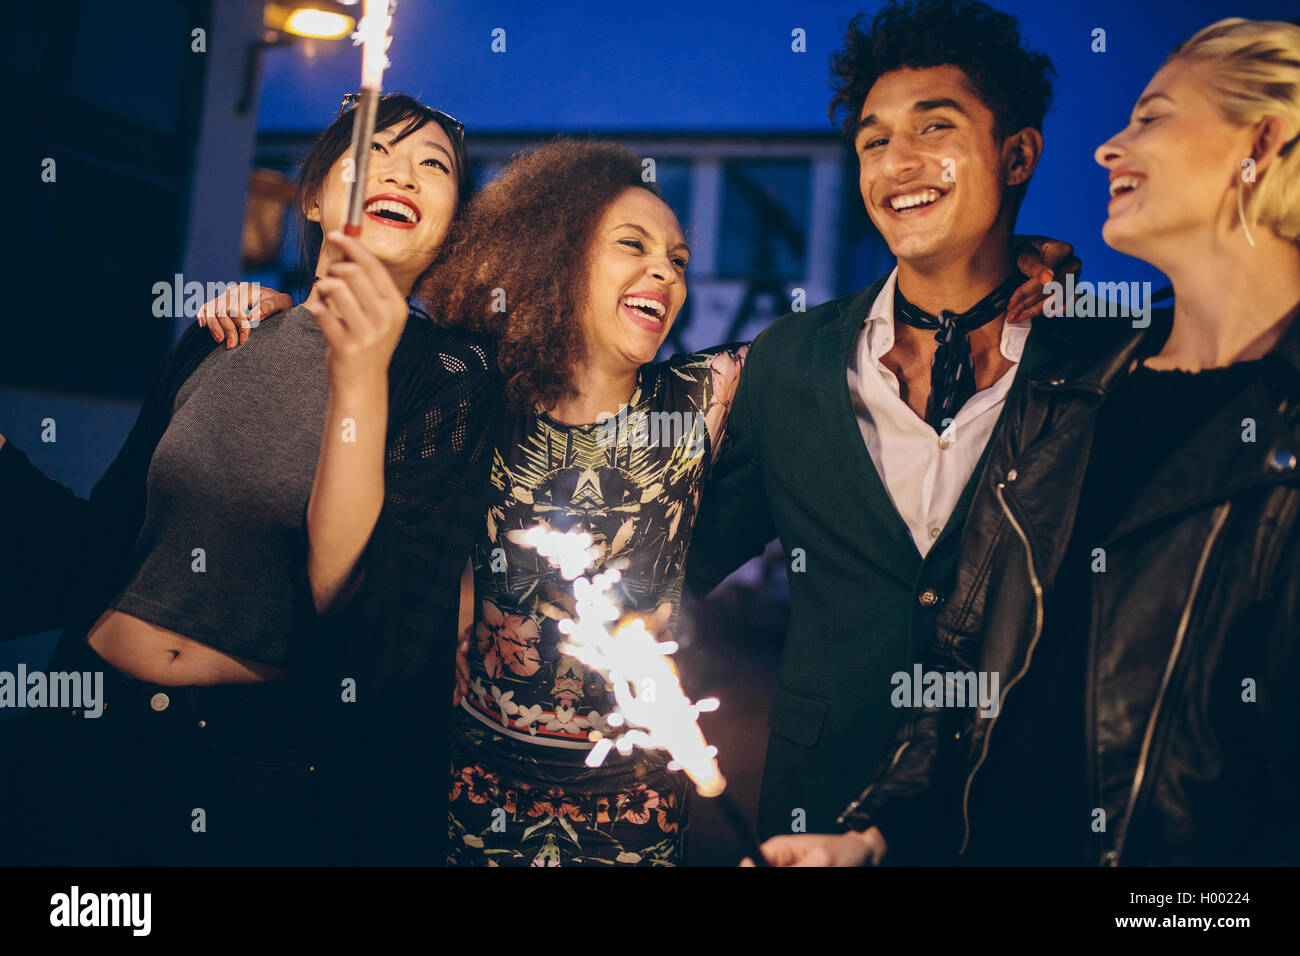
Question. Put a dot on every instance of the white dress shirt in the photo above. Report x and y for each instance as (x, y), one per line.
(924, 473)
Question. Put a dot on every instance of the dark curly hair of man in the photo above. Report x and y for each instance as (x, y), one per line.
(525, 243)
(1013, 82)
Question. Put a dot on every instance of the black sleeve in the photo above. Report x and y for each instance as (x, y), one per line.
(394, 639)
(435, 488)
(1278, 707)
(64, 557)
(913, 796)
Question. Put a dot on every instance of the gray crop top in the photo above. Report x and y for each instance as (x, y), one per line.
(227, 493)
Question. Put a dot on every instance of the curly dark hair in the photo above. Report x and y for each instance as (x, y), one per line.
(1013, 82)
(528, 236)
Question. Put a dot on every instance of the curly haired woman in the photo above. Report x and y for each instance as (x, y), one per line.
(590, 266)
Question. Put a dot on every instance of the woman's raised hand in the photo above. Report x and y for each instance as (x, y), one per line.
(233, 314)
(364, 314)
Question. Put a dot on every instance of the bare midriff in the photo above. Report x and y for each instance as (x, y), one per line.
(159, 656)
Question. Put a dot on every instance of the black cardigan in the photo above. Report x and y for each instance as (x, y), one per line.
(379, 759)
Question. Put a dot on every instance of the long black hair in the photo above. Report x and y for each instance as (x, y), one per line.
(395, 109)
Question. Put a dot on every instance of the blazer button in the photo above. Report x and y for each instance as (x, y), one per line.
(928, 598)
(1282, 460)
(159, 701)
(1012, 475)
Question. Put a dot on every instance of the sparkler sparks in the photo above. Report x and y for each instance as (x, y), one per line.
(648, 696)
(372, 36)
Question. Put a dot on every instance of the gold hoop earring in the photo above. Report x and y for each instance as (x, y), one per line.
(1241, 214)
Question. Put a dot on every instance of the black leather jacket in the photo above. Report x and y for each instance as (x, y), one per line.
(1199, 763)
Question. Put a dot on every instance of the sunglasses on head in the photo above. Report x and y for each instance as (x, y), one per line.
(447, 120)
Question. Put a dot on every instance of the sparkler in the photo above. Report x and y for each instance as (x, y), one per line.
(372, 35)
(648, 698)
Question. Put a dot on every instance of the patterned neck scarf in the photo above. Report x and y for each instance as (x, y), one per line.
(952, 374)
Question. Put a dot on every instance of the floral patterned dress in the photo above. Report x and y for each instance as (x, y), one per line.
(521, 793)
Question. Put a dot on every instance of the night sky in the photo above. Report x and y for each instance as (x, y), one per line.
(595, 66)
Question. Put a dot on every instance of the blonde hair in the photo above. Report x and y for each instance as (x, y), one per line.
(1254, 73)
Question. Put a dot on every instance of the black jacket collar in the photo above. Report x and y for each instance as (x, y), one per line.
(1095, 369)
(1049, 479)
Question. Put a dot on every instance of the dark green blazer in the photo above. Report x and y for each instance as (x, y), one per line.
(796, 468)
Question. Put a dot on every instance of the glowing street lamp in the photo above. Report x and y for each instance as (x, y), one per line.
(285, 24)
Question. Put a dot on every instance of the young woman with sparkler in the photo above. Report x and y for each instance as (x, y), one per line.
(268, 598)
(591, 264)
(578, 268)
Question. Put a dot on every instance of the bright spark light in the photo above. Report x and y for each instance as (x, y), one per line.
(650, 706)
(372, 35)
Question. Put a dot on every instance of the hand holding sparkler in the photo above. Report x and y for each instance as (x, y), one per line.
(823, 849)
(363, 318)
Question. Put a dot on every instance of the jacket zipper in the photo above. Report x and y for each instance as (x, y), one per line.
(1220, 517)
(1038, 630)
(852, 807)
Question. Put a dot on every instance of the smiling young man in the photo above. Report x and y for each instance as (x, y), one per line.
(859, 426)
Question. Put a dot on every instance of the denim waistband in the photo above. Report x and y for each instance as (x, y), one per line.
(252, 704)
